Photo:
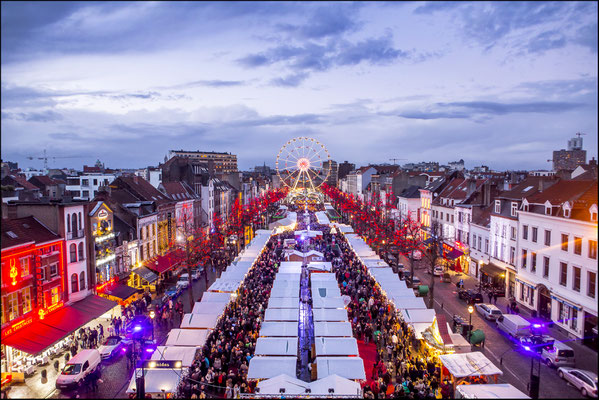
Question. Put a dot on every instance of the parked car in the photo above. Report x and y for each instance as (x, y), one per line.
(536, 343)
(438, 270)
(110, 347)
(489, 311)
(77, 368)
(446, 277)
(411, 281)
(140, 327)
(559, 355)
(585, 381)
(470, 296)
(513, 325)
(172, 291)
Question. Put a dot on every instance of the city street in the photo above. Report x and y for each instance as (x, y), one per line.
(516, 365)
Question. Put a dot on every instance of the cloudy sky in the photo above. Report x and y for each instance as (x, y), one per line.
(501, 83)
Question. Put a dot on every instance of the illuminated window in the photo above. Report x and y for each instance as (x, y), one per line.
(24, 266)
(593, 249)
(524, 258)
(26, 300)
(533, 262)
(12, 305)
(564, 242)
(577, 245)
(55, 295)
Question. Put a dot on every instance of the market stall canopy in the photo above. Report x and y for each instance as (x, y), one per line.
(330, 314)
(490, 391)
(281, 314)
(204, 307)
(225, 285)
(408, 303)
(374, 263)
(274, 346)
(216, 297)
(275, 385)
(263, 367)
(294, 267)
(185, 354)
(327, 302)
(322, 218)
(343, 228)
(341, 387)
(145, 274)
(288, 276)
(330, 277)
(336, 346)
(283, 302)
(412, 316)
(156, 380)
(233, 275)
(199, 321)
(187, 337)
(279, 329)
(169, 261)
(346, 367)
(320, 266)
(332, 329)
(325, 289)
(284, 292)
(285, 284)
(307, 233)
(469, 364)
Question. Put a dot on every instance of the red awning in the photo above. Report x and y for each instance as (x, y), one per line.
(42, 334)
(164, 263)
(442, 326)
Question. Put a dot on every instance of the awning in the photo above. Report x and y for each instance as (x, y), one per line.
(453, 254)
(120, 290)
(526, 283)
(566, 302)
(164, 263)
(44, 333)
(492, 269)
(145, 274)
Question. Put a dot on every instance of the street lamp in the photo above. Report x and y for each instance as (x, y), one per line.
(152, 315)
(470, 310)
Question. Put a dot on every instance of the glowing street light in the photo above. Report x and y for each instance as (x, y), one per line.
(470, 310)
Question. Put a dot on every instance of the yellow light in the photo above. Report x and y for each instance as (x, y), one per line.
(470, 309)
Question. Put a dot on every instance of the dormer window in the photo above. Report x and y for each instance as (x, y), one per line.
(514, 208)
(593, 211)
(547, 208)
(497, 206)
(567, 210)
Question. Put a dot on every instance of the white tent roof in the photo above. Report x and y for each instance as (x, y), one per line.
(336, 346)
(285, 284)
(156, 380)
(382, 272)
(401, 294)
(412, 316)
(476, 363)
(419, 328)
(308, 233)
(262, 367)
(328, 289)
(327, 302)
(330, 314)
(185, 354)
(341, 386)
(215, 297)
(325, 276)
(370, 263)
(269, 346)
(274, 385)
(199, 321)
(222, 285)
(490, 391)
(283, 222)
(283, 302)
(279, 329)
(346, 367)
(343, 228)
(202, 307)
(284, 292)
(264, 232)
(410, 303)
(320, 266)
(293, 267)
(332, 329)
(187, 337)
(288, 276)
(322, 217)
(281, 314)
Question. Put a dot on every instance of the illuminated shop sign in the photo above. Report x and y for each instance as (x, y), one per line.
(105, 260)
(101, 287)
(102, 238)
(41, 314)
(103, 214)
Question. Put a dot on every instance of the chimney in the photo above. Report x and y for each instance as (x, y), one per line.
(471, 187)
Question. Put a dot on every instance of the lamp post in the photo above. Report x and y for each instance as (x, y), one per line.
(470, 310)
(152, 315)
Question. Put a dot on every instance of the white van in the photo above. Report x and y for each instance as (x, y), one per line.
(78, 367)
(514, 325)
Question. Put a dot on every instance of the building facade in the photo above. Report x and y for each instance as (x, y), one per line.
(223, 162)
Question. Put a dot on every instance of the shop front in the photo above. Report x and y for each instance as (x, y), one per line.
(494, 276)
(456, 257)
(166, 266)
(143, 278)
(118, 292)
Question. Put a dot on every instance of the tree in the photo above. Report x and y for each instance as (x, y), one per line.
(407, 238)
(432, 253)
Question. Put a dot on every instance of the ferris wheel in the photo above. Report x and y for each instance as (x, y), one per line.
(302, 164)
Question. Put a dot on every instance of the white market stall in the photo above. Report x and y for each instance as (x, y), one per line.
(330, 314)
(285, 292)
(341, 387)
(281, 314)
(327, 302)
(216, 297)
(264, 367)
(157, 380)
(293, 267)
(463, 366)
(489, 391)
(374, 263)
(279, 329)
(185, 354)
(325, 289)
(346, 367)
(408, 303)
(283, 302)
(329, 277)
(336, 346)
(288, 277)
(275, 385)
(285, 284)
(199, 321)
(201, 307)
(332, 329)
(187, 337)
(419, 320)
(307, 233)
(225, 285)
(274, 346)
(320, 266)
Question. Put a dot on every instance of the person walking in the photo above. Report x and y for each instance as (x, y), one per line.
(490, 294)
(495, 298)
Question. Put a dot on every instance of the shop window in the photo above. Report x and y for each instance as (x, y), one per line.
(545, 267)
(521, 291)
(24, 267)
(82, 281)
(81, 252)
(534, 234)
(563, 273)
(577, 245)
(576, 279)
(26, 299)
(562, 313)
(564, 242)
(591, 284)
(74, 283)
(547, 238)
(574, 318)
(73, 253)
(53, 270)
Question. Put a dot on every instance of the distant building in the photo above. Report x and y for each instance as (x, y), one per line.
(223, 162)
(333, 168)
(87, 185)
(571, 158)
(344, 169)
(456, 165)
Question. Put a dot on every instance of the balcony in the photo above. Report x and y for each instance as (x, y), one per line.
(75, 235)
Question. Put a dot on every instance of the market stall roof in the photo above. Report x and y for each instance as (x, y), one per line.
(412, 316)
(233, 275)
(183, 353)
(187, 337)
(281, 314)
(307, 233)
(294, 267)
(284, 292)
(216, 297)
(156, 380)
(199, 321)
(346, 367)
(491, 391)
(274, 346)
(205, 307)
(322, 218)
(41, 334)
(326, 289)
(225, 285)
(332, 329)
(279, 329)
(285, 284)
(343, 228)
(401, 294)
(330, 314)
(264, 232)
(291, 385)
(320, 266)
(327, 276)
(327, 302)
(409, 303)
(341, 387)
(336, 346)
(374, 263)
(119, 290)
(263, 367)
(145, 274)
(476, 363)
(288, 276)
(283, 302)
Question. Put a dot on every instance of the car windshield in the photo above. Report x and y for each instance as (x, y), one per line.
(172, 289)
(495, 312)
(71, 369)
(112, 341)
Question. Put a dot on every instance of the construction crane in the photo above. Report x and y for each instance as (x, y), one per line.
(45, 158)
(396, 159)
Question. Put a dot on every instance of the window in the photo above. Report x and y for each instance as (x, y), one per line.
(512, 254)
(547, 210)
(24, 266)
(82, 281)
(547, 238)
(80, 220)
(564, 242)
(525, 207)
(525, 232)
(524, 255)
(495, 249)
(480, 247)
(576, 279)
(74, 283)
(533, 262)
(513, 233)
(55, 295)
(53, 270)
(474, 240)
(95, 182)
(497, 206)
(487, 246)
(574, 318)
(26, 299)
(535, 231)
(577, 245)
(545, 267)
(73, 253)
(68, 222)
(593, 249)
(81, 252)
(521, 291)
(563, 273)
(567, 213)
(12, 306)
(592, 284)
(452, 218)
(74, 225)
(514, 208)
(85, 193)
(85, 182)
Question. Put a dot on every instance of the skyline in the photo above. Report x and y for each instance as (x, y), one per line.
(499, 84)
